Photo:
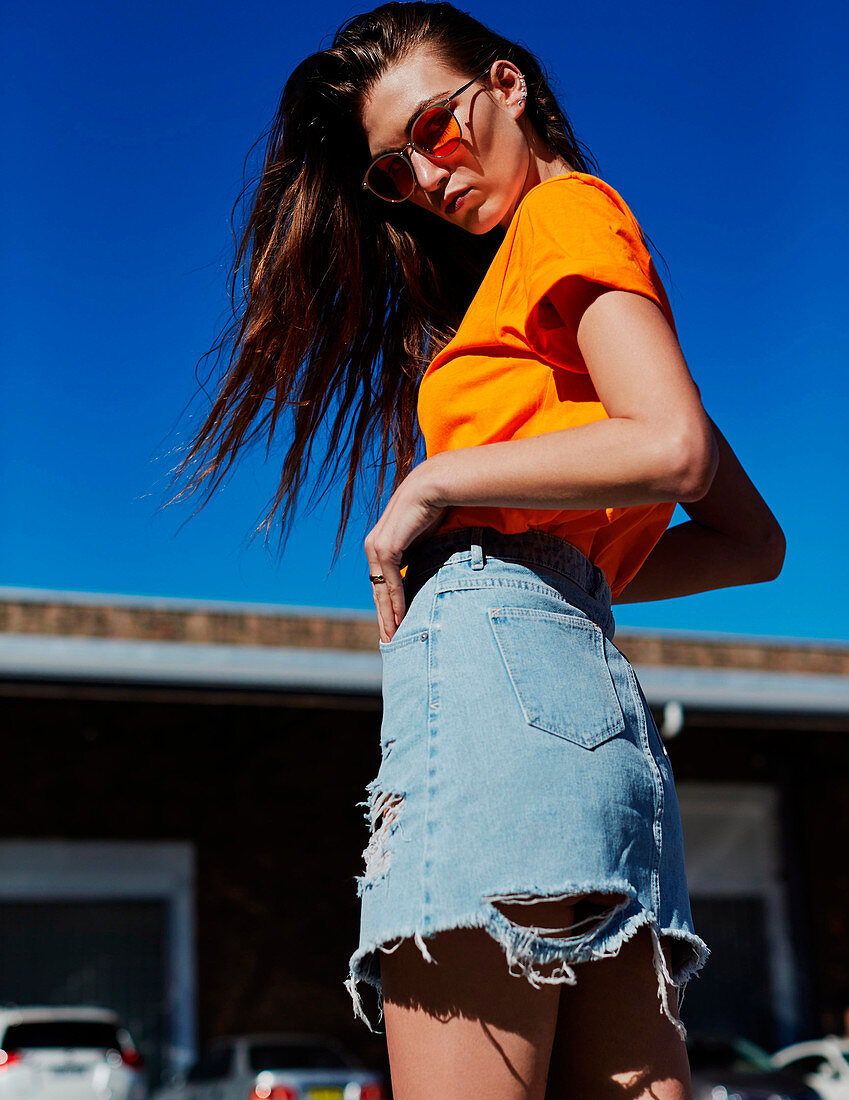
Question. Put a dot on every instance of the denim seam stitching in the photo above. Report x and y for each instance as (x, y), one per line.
(657, 782)
(392, 645)
(461, 585)
(432, 733)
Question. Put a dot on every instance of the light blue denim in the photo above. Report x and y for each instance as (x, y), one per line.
(519, 759)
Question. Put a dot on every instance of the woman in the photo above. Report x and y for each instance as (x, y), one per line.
(430, 250)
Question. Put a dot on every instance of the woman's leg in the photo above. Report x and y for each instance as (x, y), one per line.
(465, 1028)
(611, 1041)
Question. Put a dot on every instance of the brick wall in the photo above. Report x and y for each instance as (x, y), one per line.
(146, 620)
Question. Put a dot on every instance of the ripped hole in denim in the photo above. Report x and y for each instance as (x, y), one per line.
(568, 917)
(573, 920)
(384, 808)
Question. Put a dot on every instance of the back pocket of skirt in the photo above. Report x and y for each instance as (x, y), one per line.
(558, 668)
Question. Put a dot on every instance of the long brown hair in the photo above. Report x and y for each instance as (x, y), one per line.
(346, 298)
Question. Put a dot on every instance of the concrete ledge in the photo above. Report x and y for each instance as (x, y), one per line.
(34, 657)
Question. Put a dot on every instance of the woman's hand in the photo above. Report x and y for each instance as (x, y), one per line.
(732, 538)
(409, 517)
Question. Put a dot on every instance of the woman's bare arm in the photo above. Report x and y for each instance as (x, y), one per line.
(731, 538)
(655, 445)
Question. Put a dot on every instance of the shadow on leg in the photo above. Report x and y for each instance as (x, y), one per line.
(611, 1040)
(464, 1027)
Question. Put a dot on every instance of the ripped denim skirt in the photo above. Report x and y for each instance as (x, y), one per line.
(519, 762)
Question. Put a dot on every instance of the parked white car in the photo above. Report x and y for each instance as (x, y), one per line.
(821, 1063)
(68, 1053)
(288, 1066)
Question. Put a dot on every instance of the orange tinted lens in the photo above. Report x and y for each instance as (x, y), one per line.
(391, 178)
(437, 131)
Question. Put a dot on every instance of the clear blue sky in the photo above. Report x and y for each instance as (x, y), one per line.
(125, 131)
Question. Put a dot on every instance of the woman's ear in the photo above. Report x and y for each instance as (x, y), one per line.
(508, 83)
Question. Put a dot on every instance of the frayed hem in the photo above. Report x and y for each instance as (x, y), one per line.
(526, 951)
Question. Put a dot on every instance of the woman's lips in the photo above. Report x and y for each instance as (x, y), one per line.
(457, 201)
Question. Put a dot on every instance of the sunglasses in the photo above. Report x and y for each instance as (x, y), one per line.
(435, 132)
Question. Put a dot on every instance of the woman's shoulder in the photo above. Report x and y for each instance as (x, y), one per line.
(571, 194)
(576, 227)
(580, 215)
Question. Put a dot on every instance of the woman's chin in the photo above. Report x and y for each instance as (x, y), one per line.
(476, 218)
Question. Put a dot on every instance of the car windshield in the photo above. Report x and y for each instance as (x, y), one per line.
(739, 1055)
(267, 1056)
(91, 1034)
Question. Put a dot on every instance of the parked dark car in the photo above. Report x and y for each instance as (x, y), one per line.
(729, 1067)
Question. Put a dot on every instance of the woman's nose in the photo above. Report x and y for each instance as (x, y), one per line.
(429, 173)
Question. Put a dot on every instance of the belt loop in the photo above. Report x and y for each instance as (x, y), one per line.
(602, 591)
(477, 548)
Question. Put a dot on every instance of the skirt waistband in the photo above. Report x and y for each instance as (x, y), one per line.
(532, 547)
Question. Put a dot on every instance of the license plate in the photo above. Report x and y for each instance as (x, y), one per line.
(325, 1094)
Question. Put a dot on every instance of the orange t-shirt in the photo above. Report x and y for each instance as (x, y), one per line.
(514, 368)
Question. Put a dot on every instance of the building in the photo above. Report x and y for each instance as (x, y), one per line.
(180, 834)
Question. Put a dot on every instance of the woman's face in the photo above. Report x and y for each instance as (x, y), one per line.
(493, 159)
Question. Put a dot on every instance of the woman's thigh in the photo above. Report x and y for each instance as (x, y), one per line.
(611, 1040)
(464, 1027)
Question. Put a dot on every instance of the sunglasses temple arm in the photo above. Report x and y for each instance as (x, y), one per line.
(474, 80)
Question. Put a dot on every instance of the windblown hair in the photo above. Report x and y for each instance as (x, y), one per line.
(346, 298)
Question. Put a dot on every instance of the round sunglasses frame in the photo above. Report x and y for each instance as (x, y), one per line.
(405, 156)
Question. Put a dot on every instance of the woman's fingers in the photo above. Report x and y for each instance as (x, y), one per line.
(408, 518)
(388, 593)
(388, 597)
(379, 603)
